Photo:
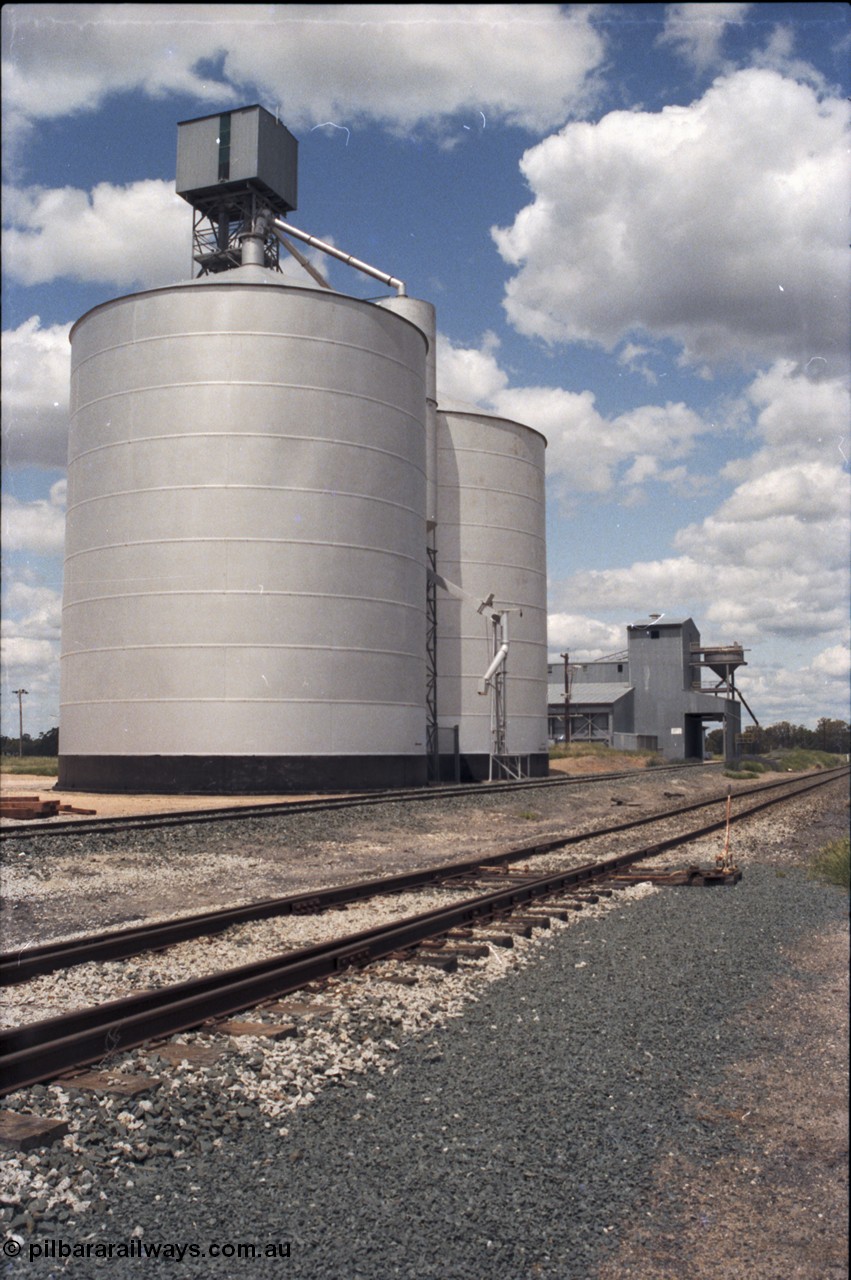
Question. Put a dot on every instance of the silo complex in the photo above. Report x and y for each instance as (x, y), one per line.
(245, 550)
(491, 540)
(275, 543)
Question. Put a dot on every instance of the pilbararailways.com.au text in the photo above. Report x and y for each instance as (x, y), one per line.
(55, 1247)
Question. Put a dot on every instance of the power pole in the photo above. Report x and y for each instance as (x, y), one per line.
(566, 656)
(20, 694)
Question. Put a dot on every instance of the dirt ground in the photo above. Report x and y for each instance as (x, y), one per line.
(120, 806)
(116, 806)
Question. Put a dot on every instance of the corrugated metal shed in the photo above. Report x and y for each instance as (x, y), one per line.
(584, 695)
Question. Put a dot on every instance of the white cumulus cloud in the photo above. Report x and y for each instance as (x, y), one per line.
(36, 368)
(402, 65)
(469, 374)
(37, 526)
(37, 610)
(697, 30)
(586, 451)
(772, 559)
(719, 225)
(586, 638)
(834, 662)
(135, 235)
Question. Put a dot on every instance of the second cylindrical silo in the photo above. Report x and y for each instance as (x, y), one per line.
(491, 540)
(245, 549)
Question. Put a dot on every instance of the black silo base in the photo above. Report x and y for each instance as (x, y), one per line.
(238, 775)
(475, 768)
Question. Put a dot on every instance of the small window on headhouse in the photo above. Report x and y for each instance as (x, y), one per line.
(654, 635)
(620, 666)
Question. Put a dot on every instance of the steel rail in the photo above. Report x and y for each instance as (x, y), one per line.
(22, 965)
(45, 1049)
(105, 826)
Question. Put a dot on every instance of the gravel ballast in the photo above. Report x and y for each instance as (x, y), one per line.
(514, 1140)
(58, 887)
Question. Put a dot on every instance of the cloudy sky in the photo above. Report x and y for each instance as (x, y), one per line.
(631, 219)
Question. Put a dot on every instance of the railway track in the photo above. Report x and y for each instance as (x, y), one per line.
(22, 965)
(421, 795)
(55, 1046)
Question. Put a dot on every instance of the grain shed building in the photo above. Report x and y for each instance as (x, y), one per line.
(652, 695)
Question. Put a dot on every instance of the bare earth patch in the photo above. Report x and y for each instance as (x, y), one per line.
(122, 806)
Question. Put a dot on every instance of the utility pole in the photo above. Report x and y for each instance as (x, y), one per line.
(20, 694)
(566, 656)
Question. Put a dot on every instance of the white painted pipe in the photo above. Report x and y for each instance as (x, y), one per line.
(278, 225)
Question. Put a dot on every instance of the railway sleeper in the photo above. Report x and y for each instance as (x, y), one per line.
(683, 876)
(464, 950)
(560, 911)
(521, 929)
(448, 963)
(529, 918)
(262, 1030)
(497, 939)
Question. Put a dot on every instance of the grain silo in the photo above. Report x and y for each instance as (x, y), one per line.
(254, 517)
(491, 541)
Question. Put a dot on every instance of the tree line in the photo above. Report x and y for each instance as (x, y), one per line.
(829, 735)
(46, 744)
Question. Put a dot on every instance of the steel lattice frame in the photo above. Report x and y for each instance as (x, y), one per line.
(218, 225)
(432, 746)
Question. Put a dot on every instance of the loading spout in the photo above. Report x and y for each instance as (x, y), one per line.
(499, 659)
(281, 229)
(452, 589)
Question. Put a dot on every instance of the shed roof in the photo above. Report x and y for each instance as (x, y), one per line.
(664, 620)
(589, 694)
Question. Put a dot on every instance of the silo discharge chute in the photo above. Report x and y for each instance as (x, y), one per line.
(724, 661)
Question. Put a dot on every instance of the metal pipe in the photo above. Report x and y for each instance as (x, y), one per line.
(499, 659)
(304, 262)
(500, 623)
(278, 225)
(253, 249)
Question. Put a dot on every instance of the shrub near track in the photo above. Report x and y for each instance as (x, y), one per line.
(831, 863)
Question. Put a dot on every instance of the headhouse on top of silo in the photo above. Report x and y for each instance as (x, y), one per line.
(224, 155)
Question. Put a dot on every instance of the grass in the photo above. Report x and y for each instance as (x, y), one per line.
(787, 760)
(41, 766)
(831, 864)
(747, 769)
(598, 751)
(797, 759)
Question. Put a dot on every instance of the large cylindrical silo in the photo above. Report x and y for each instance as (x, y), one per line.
(491, 539)
(245, 548)
(422, 314)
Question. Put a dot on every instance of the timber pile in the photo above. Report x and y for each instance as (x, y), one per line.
(26, 807)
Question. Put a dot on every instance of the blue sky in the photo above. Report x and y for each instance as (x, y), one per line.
(631, 220)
